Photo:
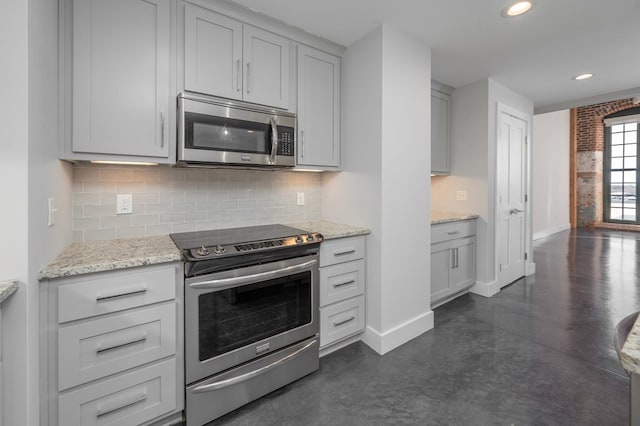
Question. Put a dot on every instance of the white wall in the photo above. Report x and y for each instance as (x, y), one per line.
(385, 183)
(29, 174)
(551, 157)
(14, 188)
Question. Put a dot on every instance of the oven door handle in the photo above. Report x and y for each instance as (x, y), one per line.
(225, 283)
(247, 376)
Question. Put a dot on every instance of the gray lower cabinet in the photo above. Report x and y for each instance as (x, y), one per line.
(342, 287)
(111, 348)
(453, 260)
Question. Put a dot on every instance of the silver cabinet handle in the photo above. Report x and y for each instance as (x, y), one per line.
(338, 323)
(336, 285)
(452, 258)
(247, 376)
(224, 283)
(141, 398)
(457, 264)
(274, 140)
(302, 143)
(515, 211)
(101, 350)
(107, 296)
(453, 233)
(248, 77)
(238, 79)
(343, 252)
(161, 129)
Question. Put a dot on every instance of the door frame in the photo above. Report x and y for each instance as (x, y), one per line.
(529, 267)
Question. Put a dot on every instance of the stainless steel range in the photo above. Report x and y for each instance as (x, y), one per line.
(251, 314)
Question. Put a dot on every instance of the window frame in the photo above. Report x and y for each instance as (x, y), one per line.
(606, 166)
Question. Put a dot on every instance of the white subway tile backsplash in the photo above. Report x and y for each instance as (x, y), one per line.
(167, 200)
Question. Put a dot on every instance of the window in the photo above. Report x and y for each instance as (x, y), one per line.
(621, 173)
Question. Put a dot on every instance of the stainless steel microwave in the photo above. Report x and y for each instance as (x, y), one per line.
(219, 132)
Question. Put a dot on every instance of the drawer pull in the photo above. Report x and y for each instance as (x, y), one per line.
(339, 323)
(336, 285)
(100, 349)
(101, 298)
(101, 412)
(343, 252)
(453, 232)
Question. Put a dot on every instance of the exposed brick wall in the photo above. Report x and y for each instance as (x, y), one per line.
(590, 147)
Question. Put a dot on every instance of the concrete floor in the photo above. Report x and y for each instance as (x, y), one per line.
(538, 353)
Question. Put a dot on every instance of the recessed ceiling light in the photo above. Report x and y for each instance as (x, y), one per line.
(583, 76)
(517, 9)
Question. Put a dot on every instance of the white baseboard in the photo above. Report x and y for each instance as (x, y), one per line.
(529, 268)
(399, 335)
(485, 289)
(339, 345)
(551, 231)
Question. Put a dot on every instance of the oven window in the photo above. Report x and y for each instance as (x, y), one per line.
(226, 134)
(231, 319)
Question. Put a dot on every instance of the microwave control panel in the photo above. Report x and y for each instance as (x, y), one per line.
(286, 141)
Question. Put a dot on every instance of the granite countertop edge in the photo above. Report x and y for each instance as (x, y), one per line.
(446, 217)
(630, 353)
(7, 288)
(81, 258)
(331, 230)
(108, 255)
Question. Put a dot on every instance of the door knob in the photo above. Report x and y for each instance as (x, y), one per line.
(515, 211)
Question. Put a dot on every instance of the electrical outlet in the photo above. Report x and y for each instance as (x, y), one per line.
(461, 195)
(300, 199)
(124, 204)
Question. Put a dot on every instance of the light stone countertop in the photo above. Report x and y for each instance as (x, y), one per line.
(7, 288)
(331, 230)
(107, 255)
(445, 217)
(630, 353)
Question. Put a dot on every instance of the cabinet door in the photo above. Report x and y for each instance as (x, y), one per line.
(318, 108)
(213, 53)
(266, 67)
(463, 274)
(121, 69)
(440, 132)
(440, 264)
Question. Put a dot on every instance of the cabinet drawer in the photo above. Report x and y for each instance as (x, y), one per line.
(130, 399)
(341, 281)
(341, 250)
(115, 291)
(95, 349)
(341, 320)
(448, 231)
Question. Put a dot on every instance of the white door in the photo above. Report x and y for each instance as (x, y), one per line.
(511, 193)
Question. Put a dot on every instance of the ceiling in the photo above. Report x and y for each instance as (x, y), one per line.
(535, 54)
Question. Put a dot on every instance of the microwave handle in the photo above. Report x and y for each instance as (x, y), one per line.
(274, 140)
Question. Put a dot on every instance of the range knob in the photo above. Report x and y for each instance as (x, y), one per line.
(299, 239)
(310, 237)
(203, 251)
(219, 249)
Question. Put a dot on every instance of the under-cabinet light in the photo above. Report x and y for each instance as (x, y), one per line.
(123, 163)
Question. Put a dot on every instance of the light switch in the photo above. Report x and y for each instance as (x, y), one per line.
(461, 195)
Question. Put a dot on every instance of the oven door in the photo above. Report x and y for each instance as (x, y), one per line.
(234, 316)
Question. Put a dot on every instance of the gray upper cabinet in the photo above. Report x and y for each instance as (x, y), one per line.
(118, 63)
(225, 57)
(318, 108)
(213, 53)
(440, 129)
